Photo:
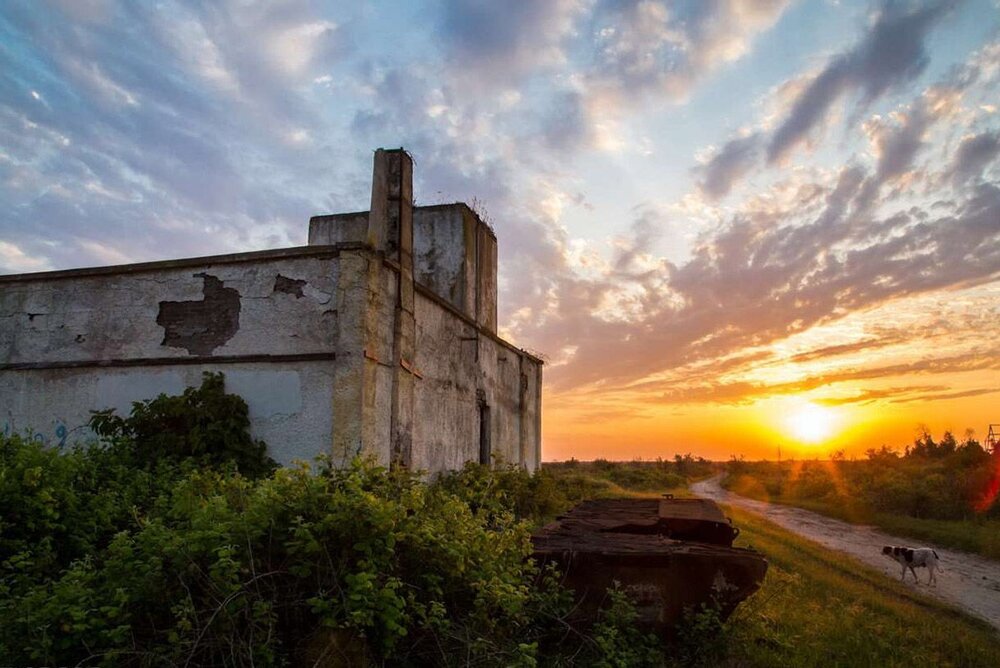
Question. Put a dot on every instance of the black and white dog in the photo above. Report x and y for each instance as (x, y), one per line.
(910, 557)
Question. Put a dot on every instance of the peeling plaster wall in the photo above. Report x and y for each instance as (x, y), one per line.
(127, 316)
(459, 364)
(71, 342)
(377, 339)
(305, 336)
(289, 403)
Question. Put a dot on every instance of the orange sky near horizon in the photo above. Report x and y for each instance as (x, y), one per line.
(754, 432)
(933, 368)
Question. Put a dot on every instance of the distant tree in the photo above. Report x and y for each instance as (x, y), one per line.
(923, 444)
(947, 445)
(883, 454)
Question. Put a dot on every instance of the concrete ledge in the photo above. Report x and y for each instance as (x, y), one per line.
(443, 303)
(170, 361)
(159, 265)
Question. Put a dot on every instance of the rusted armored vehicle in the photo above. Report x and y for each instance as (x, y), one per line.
(667, 554)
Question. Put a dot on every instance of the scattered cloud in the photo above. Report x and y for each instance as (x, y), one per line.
(974, 154)
(891, 53)
(730, 163)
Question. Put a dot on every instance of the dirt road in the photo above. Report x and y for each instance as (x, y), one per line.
(966, 581)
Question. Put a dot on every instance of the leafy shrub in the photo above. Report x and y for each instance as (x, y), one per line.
(57, 507)
(220, 569)
(203, 424)
(176, 540)
(619, 643)
(701, 636)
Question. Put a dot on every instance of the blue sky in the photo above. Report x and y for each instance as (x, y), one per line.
(708, 188)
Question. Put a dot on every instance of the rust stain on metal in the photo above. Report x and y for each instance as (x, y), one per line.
(204, 325)
(667, 554)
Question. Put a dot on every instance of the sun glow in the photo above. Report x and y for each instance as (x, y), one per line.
(810, 423)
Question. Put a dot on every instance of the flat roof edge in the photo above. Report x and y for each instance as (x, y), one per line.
(228, 258)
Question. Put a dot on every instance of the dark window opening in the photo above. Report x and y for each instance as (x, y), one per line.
(485, 449)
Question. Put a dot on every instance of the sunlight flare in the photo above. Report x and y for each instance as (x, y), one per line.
(810, 423)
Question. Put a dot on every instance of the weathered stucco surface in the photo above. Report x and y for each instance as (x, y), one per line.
(163, 312)
(72, 343)
(289, 402)
(443, 244)
(377, 339)
(460, 367)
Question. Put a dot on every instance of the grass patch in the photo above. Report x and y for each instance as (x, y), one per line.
(818, 608)
(977, 536)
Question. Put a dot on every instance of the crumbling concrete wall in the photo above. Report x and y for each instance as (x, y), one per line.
(454, 254)
(464, 369)
(83, 340)
(289, 402)
(444, 242)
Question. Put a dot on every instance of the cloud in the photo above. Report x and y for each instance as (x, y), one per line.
(841, 349)
(731, 162)
(14, 260)
(744, 392)
(891, 53)
(768, 273)
(974, 154)
(159, 119)
(961, 394)
(871, 395)
(503, 42)
(646, 47)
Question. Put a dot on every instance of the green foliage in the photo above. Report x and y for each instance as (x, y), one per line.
(619, 643)
(935, 490)
(203, 424)
(57, 507)
(634, 476)
(701, 636)
(176, 540)
(109, 564)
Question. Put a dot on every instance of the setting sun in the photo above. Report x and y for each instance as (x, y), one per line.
(811, 423)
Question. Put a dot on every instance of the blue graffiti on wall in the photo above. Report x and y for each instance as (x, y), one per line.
(61, 433)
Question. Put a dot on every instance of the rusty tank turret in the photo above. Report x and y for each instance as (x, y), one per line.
(667, 554)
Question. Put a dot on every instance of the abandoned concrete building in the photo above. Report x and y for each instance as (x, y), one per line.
(377, 338)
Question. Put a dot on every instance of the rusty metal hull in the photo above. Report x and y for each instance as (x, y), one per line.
(600, 543)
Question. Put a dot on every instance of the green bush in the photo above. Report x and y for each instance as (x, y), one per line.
(176, 540)
(57, 507)
(203, 424)
(220, 569)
